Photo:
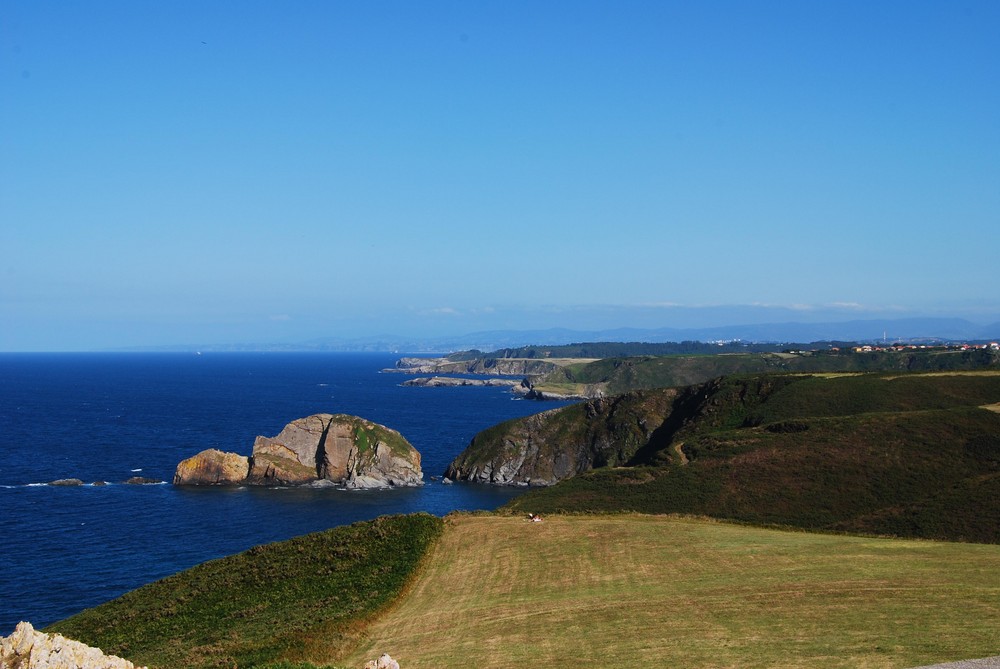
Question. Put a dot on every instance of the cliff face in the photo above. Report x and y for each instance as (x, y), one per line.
(634, 428)
(554, 445)
(500, 366)
(341, 449)
(28, 649)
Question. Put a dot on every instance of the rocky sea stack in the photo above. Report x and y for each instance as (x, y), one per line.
(337, 449)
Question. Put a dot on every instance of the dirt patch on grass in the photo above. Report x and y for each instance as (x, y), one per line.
(635, 476)
(973, 372)
(679, 449)
(563, 362)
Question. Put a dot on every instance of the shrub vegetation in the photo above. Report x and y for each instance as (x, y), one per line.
(614, 375)
(278, 605)
(911, 455)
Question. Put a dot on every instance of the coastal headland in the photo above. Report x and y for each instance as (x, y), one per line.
(589, 371)
(672, 527)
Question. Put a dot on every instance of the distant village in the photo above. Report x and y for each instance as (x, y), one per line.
(867, 348)
(851, 347)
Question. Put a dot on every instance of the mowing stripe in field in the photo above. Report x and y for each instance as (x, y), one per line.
(602, 591)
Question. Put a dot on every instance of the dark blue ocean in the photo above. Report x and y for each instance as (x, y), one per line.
(107, 417)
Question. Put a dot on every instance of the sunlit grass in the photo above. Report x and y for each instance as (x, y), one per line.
(625, 590)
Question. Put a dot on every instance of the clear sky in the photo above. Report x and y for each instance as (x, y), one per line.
(188, 172)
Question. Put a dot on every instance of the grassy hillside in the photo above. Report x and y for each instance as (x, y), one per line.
(307, 598)
(624, 590)
(912, 455)
(612, 376)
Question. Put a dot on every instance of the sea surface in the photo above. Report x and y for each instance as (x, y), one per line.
(110, 416)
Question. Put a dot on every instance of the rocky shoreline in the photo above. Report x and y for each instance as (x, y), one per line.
(482, 366)
(452, 382)
(26, 648)
(527, 372)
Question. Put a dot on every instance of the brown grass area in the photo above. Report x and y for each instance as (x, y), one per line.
(622, 590)
(679, 450)
(971, 372)
(563, 362)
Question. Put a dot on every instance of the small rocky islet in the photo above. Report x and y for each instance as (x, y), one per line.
(321, 449)
(133, 480)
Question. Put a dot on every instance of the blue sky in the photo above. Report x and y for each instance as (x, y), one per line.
(192, 172)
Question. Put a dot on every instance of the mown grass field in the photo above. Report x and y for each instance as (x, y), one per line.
(659, 591)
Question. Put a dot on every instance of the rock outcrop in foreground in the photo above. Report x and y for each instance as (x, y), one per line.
(28, 649)
(384, 661)
(338, 449)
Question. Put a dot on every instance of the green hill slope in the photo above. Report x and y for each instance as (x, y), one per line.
(307, 597)
(912, 455)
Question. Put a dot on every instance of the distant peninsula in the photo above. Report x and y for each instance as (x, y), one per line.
(603, 369)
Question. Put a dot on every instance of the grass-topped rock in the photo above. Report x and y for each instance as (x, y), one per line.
(304, 600)
(340, 449)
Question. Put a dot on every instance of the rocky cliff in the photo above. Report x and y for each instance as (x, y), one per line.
(27, 649)
(501, 366)
(340, 449)
(554, 445)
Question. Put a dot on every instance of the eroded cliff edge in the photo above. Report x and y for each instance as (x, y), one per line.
(554, 445)
(333, 448)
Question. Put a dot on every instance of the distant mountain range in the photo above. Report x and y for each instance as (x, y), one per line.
(904, 329)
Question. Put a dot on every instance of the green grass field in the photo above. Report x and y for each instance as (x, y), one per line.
(309, 596)
(658, 591)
